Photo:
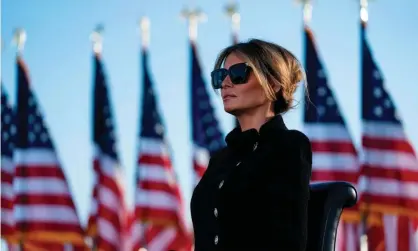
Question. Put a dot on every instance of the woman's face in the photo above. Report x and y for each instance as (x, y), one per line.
(242, 98)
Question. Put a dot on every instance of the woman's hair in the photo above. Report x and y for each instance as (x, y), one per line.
(275, 68)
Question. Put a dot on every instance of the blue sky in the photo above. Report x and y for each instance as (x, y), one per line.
(59, 56)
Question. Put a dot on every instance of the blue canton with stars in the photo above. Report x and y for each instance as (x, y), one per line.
(377, 105)
(32, 131)
(205, 127)
(8, 128)
(103, 125)
(322, 107)
(151, 122)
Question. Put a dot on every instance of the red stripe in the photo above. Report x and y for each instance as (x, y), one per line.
(44, 199)
(333, 147)
(104, 245)
(395, 173)
(6, 230)
(403, 233)
(156, 214)
(399, 145)
(111, 216)
(159, 160)
(394, 201)
(334, 176)
(6, 177)
(199, 169)
(40, 171)
(60, 227)
(157, 186)
(6, 203)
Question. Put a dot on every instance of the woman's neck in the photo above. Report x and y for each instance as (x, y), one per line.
(250, 121)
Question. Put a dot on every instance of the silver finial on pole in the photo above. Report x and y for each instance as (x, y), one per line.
(144, 25)
(19, 39)
(307, 10)
(232, 11)
(97, 38)
(193, 17)
(364, 15)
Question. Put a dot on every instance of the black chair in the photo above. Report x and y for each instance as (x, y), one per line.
(327, 201)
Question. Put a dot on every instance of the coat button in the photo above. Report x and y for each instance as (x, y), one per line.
(221, 184)
(255, 146)
(215, 212)
(216, 239)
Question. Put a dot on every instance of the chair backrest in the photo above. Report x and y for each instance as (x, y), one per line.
(327, 201)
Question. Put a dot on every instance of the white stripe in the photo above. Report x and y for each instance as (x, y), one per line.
(153, 147)
(335, 161)
(201, 155)
(389, 187)
(7, 165)
(7, 217)
(162, 240)
(7, 191)
(415, 237)
(155, 173)
(108, 232)
(327, 132)
(383, 130)
(390, 223)
(157, 199)
(390, 159)
(35, 156)
(40, 185)
(109, 166)
(45, 213)
(109, 199)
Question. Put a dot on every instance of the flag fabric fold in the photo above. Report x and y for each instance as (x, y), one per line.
(207, 137)
(44, 209)
(107, 221)
(8, 138)
(335, 157)
(159, 224)
(389, 172)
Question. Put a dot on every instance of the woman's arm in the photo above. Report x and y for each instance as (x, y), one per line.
(288, 194)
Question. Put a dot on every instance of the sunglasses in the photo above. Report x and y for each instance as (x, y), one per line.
(238, 74)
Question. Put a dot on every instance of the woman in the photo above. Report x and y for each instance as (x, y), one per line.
(254, 194)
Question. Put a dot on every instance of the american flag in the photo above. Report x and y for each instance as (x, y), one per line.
(334, 154)
(44, 209)
(389, 174)
(8, 132)
(107, 222)
(206, 134)
(159, 209)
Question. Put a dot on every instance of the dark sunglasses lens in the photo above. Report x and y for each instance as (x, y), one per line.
(238, 73)
(218, 77)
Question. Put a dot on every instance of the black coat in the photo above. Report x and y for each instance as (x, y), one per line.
(254, 194)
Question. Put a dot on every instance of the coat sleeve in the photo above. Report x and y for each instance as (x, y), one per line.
(288, 195)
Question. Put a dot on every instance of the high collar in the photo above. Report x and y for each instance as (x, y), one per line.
(243, 141)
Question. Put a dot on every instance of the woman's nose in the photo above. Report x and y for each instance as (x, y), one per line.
(227, 82)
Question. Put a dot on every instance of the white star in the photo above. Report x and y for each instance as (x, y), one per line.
(387, 103)
(321, 110)
(376, 75)
(44, 137)
(7, 118)
(321, 91)
(37, 127)
(159, 129)
(378, 111)
(31, 119)
(330, 101)
(377, 92)
(31, 101)
(321, 73)
(108, 122)
(31, 137)
(5, 136)
(13, 129)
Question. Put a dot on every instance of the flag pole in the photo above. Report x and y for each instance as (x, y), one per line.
(193, 16)
(231, 10)
(96, 38)
(144, 25)
(364, 17)
(19, 39)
